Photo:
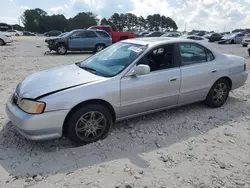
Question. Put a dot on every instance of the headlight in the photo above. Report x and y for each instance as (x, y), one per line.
(32, 107)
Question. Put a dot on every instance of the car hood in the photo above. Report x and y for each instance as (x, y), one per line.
(52, 38)
(53, 80)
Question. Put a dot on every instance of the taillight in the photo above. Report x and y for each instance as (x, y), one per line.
(245, 67)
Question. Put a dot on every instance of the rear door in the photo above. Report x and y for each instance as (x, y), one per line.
(76, 40)
(90, 40)
(199, 71)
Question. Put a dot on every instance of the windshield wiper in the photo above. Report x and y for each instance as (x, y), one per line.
(88, 69)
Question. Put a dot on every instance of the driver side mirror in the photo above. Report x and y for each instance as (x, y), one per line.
(141, 69)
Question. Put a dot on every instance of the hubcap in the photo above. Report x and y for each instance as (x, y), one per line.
(99, 48)
(61, 49)
(220, 93)
(90, 125)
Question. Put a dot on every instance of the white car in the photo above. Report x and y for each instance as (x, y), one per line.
(4, 38)
(14, 32)
(245, 42)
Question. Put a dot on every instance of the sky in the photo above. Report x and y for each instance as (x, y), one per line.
(217, 15)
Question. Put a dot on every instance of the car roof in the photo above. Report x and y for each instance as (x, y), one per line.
(152, 41)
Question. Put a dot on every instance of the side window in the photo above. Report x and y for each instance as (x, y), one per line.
(78, 34)
(192, 53)
(107, 29)
(210, 56)
(160, 58)
(90, 34)
(102, 33)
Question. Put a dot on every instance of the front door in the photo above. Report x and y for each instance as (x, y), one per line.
(76, 40)
(199, 71)
(158, 89)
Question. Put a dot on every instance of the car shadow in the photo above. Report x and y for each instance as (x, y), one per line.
(129, 139)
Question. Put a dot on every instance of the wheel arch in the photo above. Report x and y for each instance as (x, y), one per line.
(88, 102)
(62, 43)
(226, 78)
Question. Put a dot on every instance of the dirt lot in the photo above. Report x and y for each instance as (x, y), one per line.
(191, 146)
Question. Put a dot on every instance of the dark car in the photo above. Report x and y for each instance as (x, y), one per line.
(53, 33)
(27, 33)
(155, 34)
(142, 34)
(80, 40)
(214, 37)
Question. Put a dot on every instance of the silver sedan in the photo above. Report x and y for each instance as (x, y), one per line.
(128, 79)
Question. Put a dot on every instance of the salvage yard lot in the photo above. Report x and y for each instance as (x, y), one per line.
(191, 146)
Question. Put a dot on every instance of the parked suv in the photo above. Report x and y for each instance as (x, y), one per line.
(80, 40)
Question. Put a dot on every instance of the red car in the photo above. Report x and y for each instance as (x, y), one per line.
(116, 36)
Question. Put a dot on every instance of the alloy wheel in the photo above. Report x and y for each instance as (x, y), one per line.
(220, 93)
(91, 125)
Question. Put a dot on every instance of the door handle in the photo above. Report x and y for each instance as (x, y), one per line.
(215, 70)
(173, 79)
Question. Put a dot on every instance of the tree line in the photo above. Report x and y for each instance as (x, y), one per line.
(37, 20)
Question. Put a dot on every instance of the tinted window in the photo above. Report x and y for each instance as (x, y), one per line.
(102, 34)
(157, 34)
(192, 53)
(107, 29)
(90, 34)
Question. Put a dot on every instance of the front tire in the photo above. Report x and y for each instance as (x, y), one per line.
(89, 124)
(61, 49)
(218, 94)
(2, 42)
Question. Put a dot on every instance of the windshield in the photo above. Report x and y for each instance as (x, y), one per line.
(62, 34)
(69, 33)
(113, 59)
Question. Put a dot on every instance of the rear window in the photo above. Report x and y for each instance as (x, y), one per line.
(102, 33)
(107, 29)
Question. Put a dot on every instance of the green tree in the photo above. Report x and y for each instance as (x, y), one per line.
(142, 23)
(82, 20)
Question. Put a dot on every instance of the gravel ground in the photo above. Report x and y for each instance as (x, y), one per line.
(191, 146)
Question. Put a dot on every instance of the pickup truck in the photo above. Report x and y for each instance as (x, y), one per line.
(116, 36)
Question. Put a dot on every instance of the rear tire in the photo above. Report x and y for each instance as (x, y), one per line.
(218, 94)
(89, 124)
(2, 42)
(232, 42)
(99, 47)
(61, 49)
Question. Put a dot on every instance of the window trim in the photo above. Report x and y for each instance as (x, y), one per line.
(197, 44)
